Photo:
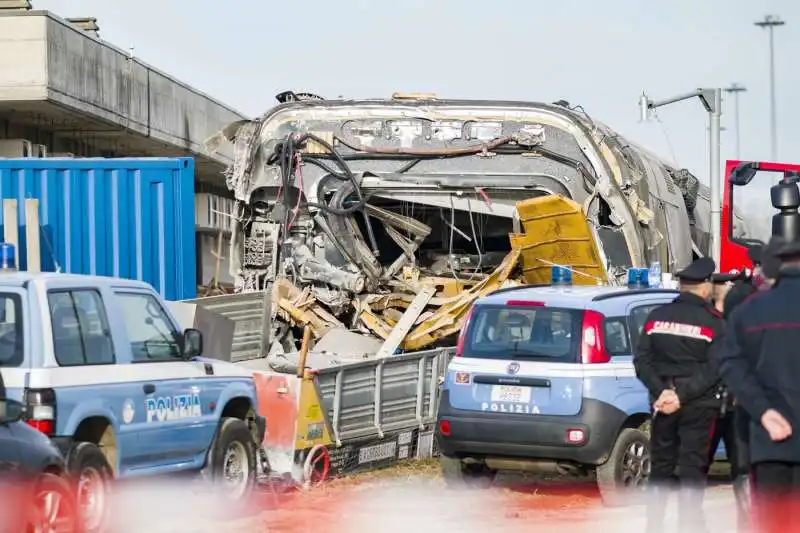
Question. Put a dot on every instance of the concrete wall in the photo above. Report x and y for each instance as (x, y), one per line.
(86, 75)
(23, 53)
(44, 57)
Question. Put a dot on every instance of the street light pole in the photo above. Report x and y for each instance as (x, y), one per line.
(714, 173)
(712, 102)
(735, 89)
(770, 22)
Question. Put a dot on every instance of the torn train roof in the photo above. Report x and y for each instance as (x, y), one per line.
(343, 204)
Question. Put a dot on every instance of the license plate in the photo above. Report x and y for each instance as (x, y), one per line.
(379, 452)
(511, 394)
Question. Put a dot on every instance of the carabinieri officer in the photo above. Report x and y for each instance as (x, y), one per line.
(672, 360)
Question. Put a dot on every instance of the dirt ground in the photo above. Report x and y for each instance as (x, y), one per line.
(412, 498)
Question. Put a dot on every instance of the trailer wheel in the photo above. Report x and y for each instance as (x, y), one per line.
(317, 465)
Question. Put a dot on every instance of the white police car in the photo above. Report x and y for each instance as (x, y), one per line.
(104, 369)
(543, 380)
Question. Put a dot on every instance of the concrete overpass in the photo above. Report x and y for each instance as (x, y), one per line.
(64, 88)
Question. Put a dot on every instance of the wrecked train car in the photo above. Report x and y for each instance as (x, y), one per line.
(345, 209)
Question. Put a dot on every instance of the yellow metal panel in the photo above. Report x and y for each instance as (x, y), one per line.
(449, 318)
(310, 416)
(375, 324)
(556, 231)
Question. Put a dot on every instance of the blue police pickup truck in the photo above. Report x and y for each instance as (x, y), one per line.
(104, 370)
(543, 380)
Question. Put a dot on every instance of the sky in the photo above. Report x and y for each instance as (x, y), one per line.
(599, 54)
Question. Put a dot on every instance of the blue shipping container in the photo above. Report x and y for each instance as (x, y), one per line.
(128, 218)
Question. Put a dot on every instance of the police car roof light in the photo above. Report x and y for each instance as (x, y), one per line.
(561, 275)
(8, 256)
(524, 303)
(638, 278)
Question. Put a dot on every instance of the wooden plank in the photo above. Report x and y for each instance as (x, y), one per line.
(11, 224)
(33, 247)
(407, 321)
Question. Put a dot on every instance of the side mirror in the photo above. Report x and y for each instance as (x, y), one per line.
(192, 343)
(743, 174)
(11, 411)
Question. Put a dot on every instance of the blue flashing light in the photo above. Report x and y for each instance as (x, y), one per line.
(8, 256)
(638, 278)
(560, 275)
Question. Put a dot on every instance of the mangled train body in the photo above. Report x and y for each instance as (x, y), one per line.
(351, 203)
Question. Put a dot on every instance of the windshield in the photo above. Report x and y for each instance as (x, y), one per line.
(524, 333)
(753, 204)
(11, 353)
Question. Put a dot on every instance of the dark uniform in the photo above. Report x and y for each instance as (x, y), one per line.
(725, 428)
(673, 353)
(759, 364)
(740, 291)
(734, 425)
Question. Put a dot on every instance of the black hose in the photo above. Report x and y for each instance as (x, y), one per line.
(338, 225)
(283, 155)
(589, 180)
(359, 156)
(288, 149)
(328, 170)
(408, 166)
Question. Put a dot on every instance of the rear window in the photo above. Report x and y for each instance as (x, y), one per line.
(524, 333)
(11, 348)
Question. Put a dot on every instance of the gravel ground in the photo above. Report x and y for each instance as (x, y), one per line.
(409, 498)
(413, 499)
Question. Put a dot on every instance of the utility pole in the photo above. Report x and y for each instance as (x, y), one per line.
(770, 22)
(735, 89)
(712, 102)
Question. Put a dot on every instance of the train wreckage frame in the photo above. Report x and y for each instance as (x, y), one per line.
(346, 209)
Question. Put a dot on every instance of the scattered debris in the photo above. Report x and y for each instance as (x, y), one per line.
(347, 212)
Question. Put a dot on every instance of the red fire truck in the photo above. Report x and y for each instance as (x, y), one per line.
(757, 190)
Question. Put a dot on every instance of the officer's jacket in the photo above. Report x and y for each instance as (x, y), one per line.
(673, 349)
(759, 361)
(740, 291)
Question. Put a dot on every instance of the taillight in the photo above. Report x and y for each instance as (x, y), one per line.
(524, 303)
(444, 428)
(462, 335)
(575, 436)
(40, 410)
(593, 349)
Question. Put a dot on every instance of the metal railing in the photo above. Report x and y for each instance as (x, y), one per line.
(372, 398)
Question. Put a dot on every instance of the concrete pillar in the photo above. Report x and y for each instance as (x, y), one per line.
(87, 24)
(15, 5)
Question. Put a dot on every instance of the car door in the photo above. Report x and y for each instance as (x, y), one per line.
(9, 452)
(179, 410)
(619, 347)
(637, 313)
(10, 466)
(637, 316)
(84, 361)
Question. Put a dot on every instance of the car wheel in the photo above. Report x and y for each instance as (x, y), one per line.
(459, 475)
(626, 473)
(233, 460)
(92, 474)
(55, 508)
